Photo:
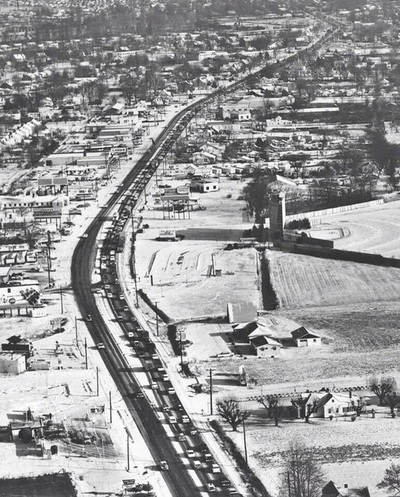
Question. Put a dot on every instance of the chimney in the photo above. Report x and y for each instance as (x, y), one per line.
(345, 491)
(350, 396)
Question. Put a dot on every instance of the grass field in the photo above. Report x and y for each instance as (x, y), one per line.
(302, 281)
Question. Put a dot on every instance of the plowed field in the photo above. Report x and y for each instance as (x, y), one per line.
(303, 281)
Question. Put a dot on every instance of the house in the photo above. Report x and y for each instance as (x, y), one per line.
(327, 404)
(202, 158)
(204, 185)
(12, 363)
(265, 346)
(333, 490)
(303, 338)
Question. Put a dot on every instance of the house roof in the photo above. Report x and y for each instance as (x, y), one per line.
(260, 341)
(338, 398)
(261, 330)
(332, 490)
(302, 333)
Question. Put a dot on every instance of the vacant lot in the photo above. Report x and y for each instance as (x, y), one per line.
(373, 229)
(301, 281)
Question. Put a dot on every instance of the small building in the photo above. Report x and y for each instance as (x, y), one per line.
(11, 363)
(266, 346)
(303, 338)
(204, 185)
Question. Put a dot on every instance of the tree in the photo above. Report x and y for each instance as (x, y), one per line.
(306, 405)
(391, 480)
(256, 196)
(392, 400)
(230, 412)
(273, 407)
(303, 476)
(383, 387)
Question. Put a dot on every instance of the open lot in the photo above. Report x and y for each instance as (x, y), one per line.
(373, 229)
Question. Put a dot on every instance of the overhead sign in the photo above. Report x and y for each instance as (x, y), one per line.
(15, 247)
(182, 190)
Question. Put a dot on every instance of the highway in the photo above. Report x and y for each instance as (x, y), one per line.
(178, 479)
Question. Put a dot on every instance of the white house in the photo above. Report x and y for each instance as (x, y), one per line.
(266, 346)
(303, 338)
(327, 404)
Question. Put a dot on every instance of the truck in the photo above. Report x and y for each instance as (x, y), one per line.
(167, 236)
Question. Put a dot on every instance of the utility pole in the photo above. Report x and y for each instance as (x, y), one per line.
(86, 364)
(245, 443)
(110, 408)
(180, 346)
(48, 256)
(211, 393)
(157, 331)
(97, 382)
(127, 450)
(76, 331)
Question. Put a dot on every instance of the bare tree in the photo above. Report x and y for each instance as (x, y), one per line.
(382, 387)
(273, 406)
(307, 406)
(392, 400)
(303, 476)
(230, 412)
(391, 480)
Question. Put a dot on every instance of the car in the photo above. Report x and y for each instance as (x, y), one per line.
(215, 468)
(85, 235)
(190, 453)
(166, 409)
(138, 394)
(164, 466)
(185, 419)
(154, 385)
(121, 296)
(203, 448)
(88, 317)
(107, 287)
(182, 437)
(224, 482)
(210, 487)
(208, 457)
(101, 345)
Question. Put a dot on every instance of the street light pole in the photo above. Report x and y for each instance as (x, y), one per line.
(157, 330)
(245, 443)
(211, 393)
(180, 346)
(127, 451)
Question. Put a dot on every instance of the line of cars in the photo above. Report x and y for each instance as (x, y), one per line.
(170, 409)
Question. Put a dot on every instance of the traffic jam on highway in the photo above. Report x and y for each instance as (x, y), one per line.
(163, 400)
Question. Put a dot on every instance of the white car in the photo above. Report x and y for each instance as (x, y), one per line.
(190, 453)
(210, 487)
